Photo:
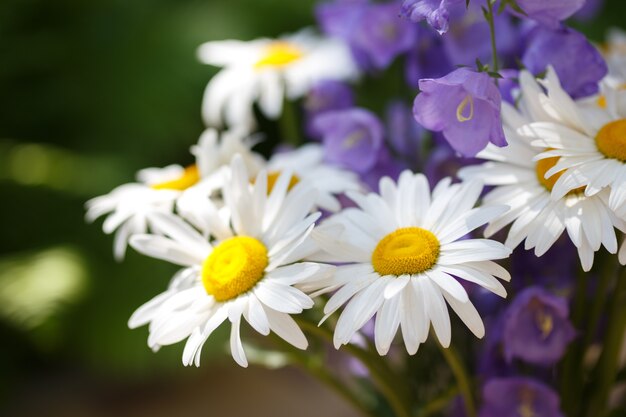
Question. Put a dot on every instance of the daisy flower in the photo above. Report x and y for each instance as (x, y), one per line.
(264, 71)
(404, 252)
(308, 167)
(525, 184)
(159, 190)
(248, 271)
(590, 145)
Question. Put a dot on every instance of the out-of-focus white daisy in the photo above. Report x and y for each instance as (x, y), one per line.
(614, 52)
(521, 183)
(404, 251)
(308, 167)
(159, 190)
(249, 271)
(264, 71)
(590, 145)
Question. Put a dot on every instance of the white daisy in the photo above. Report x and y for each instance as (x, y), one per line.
(521, 183)
(250, 270)
(308, 166)
(591, 145)
(404, 250)
(265, 71)
(159, 190)
(614, 51)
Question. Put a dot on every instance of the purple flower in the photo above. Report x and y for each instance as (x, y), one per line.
(405, 136)
(427, 58)
(375, 32)
(577, 62)
(519, 396)
(536, 327)
(323, 97)
(468, 37)
(550, 12)
(590, 10)
(386, 166)
(465, 106)
(508, 84)
(352, 138)
(435, 12)
(443, 161)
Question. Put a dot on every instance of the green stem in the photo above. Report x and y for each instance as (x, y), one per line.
(571, 374)
(492, 32)
(288, 124)
(462, 378)
(606, 369)
(384, 379)
(318, 370)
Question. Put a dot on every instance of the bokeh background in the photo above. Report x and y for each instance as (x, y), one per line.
(91, 91)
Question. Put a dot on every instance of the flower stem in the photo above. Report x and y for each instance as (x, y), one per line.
(462, 378)
(489, 16)
(317, 369)
(384, 379)
(288, 124)
(606, 369)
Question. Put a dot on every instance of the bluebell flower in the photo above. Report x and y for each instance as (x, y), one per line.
(427, 58)
(519, 396)
(465, 106)
(405, 137)
(550, 12)
(435, 12)
(576, 61)
(351, 138)
(468, 37)
(325, 96)
(536, 327)
(374, 31)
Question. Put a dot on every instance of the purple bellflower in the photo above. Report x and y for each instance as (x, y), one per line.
(435, 12)
(465, 41)
(590, 10)
(404, 135)
(465, 106)
(427, 58)
(519, 396)
(567, 51)
(352, 138)
(550, 13)
(374, 31)
(536, 327)
(325, 96)
(386, 166)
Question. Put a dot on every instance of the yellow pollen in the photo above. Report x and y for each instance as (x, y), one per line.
(190, 177)
(272, 177)
(545, 323)
(279, 54)
(353, 139)
(611, 140)
(526, 410)
(409, 250)
(234, 267)
(601, 101)
(461, 109)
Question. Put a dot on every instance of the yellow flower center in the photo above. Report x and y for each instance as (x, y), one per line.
(272, 177)
(407, 251)
(545, 323)
(279, 54)
(190, 177)
(234, 267)
(611, 140)
(543, 166)
(462, 108)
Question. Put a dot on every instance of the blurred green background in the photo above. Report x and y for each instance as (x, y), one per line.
(90, 92)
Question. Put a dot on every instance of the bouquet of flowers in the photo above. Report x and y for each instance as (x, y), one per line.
(408, 149)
